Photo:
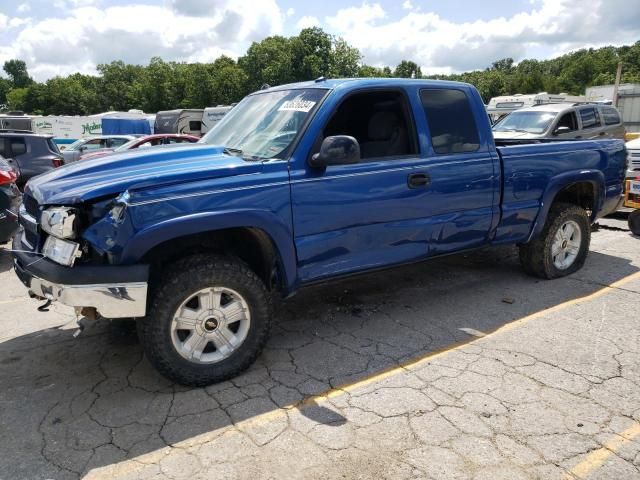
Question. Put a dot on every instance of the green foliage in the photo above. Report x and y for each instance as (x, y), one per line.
(17, 71)
(276, 60)
(408, 69)
(16, 98)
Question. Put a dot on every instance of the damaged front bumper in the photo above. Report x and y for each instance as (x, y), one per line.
(115, 291)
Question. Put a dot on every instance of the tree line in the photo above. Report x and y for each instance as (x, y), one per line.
(276, 60)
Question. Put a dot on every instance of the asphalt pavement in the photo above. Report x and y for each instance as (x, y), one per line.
(458, 368)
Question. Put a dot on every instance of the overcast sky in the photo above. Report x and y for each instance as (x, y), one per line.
(58, 37)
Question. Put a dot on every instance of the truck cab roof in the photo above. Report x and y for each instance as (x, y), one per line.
(332, 84)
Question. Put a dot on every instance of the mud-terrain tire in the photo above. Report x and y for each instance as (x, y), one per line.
(562, 247)
(193, 293)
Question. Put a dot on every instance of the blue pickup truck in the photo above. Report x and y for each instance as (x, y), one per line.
(300, 184)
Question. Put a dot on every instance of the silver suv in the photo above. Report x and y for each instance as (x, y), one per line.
(562, 121)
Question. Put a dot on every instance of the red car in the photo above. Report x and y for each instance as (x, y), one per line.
(143, 142)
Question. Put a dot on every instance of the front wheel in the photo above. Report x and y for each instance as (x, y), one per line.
(562, 246)
(209, 319)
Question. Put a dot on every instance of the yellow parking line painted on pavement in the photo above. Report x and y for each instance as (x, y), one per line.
(417, 362)
(627, 435)
(596, 459)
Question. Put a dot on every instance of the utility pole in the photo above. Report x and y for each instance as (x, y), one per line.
(614, 100)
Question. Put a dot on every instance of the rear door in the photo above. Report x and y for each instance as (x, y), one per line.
(590, 123)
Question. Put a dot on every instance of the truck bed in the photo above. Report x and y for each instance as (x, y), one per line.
(531, 167)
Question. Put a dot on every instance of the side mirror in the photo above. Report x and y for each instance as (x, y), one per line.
(336, 150)
(561, 130)
(82, 148)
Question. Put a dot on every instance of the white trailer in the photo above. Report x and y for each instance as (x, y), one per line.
(213, 115)
(187, 121)
(500, 106)
(67, 129)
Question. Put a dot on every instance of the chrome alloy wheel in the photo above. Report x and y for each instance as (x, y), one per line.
(210, 325)
(566, 245)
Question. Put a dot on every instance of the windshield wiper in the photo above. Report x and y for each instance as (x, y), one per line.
(236, 152)
(232, 151)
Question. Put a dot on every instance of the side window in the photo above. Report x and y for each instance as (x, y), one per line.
(379, 120)
(95, 144)
(3, 151)
(52, 146)
(568, 120)
(451, 123)
(18, 146)
(116, 142)
(589, 117)
(195, 125)
(610, 116)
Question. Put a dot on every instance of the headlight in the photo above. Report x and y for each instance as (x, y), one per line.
(59, 221)
(61, 251)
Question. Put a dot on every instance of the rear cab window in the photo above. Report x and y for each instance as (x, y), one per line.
(451, 122)
(589, 117)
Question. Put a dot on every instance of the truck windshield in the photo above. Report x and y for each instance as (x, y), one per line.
(530, 122)
(264, 125)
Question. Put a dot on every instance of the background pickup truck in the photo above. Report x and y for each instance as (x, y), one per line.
(300, 184)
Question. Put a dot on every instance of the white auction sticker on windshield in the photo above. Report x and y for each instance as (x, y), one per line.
(297, 106)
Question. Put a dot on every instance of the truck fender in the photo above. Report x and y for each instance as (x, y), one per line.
(278, 231)
(559, 183)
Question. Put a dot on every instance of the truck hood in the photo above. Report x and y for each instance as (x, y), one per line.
(90, 179)
(510, 135)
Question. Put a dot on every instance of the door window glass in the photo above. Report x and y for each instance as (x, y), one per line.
(589, 117)
(95, 144)
(610, 116)
(568, 120)
(116, 142)
(451, 123)
(18, 146)
(378, 120)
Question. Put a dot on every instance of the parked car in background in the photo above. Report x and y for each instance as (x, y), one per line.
(90, 144)
(10, 199)
(144, 142)
(186, 121)
(29, 154)
(633, 152)
(300, 184)
(562, 121)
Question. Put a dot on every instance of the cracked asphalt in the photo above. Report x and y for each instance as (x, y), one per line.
(459, 368)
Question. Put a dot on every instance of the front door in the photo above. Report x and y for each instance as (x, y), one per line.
(399, 203)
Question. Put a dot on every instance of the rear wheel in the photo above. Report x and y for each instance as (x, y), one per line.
(562, 246)
(209, 319)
